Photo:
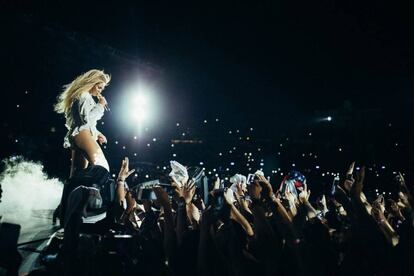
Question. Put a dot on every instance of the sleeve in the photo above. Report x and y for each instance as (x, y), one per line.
(89, 111)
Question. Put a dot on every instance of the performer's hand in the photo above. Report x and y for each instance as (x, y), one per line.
(102, 100)
(102, 139)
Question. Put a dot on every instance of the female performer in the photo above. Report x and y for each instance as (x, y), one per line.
(82, 113)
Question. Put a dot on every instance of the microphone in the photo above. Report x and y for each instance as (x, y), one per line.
(105, 106)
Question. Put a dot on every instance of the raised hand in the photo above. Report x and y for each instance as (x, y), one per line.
(357, 187)
(229, 196)
(266, 186)
(185, 191)
(255, 190)
(403, 186)
(304, 195)
(349, 180)
(124, 172)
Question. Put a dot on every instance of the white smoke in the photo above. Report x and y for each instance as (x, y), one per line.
(26, 188)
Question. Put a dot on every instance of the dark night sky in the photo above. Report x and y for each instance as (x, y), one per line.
(267, 63)
(304, 56)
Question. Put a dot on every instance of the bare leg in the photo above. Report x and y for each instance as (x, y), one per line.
(90, 149)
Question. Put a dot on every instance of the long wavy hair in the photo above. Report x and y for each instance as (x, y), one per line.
(83, 83)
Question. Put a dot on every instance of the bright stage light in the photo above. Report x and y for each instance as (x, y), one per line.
(140, 108)
(329, 118)
(139, 114)
(140, 100)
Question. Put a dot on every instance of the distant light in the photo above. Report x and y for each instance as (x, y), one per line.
(201, 163)
(231, 163)
(205, 121)
(164, 168)
(317, 167)
(174, 155)
(383, 167)
(116, 142)
(183, 134)
(293, 165)
(123, 147)
(217, 119)
(251, 129)
(261, 164)
(113, 175)
(135, 137)
(146, 176)
(220, 154)
(18, 105)
(230, 132)
(135, 154)
(178, 124)
(136, 175)
(310, 133)
(102, 123)
(172, 145)
(340, 149)
(329, 118)
(16, 141)
(154, 139)
(148, 145)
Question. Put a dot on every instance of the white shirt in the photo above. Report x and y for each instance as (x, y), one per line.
(84, 114)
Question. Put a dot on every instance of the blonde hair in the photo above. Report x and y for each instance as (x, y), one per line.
(83, 83)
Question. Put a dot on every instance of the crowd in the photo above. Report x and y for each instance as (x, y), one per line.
(242, 227)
